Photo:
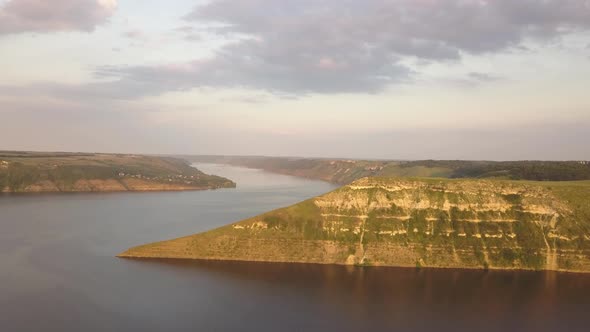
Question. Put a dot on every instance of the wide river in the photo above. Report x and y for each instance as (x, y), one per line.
(58, 273)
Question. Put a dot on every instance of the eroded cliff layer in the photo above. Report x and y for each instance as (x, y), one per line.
(411, 222)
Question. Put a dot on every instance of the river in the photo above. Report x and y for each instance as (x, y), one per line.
(58, 273)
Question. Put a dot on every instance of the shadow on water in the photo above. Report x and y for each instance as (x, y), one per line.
(416, 299)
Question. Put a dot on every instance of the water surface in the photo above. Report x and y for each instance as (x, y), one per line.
(58, 273)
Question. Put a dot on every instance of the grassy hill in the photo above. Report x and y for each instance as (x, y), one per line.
(72, 172)
(343, 171)
(496, 224)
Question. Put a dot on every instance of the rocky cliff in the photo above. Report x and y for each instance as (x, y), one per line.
(411, 222)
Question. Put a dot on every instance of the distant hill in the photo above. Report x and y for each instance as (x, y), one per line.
(80, 172)
(343, 171)
(496, 224)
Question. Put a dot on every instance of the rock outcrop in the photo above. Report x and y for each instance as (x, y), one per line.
(411, 222)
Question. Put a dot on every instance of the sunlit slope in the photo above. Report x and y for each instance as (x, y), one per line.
(81, 172)
(411, 222)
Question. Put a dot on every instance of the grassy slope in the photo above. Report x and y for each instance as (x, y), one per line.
(30, 172)
(412, 222)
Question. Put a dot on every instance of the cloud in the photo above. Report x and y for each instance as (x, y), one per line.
(469, 80)
(122, 89)
(339, 46)
(17, 16)
(483, 77)
(342, 46)
(134, 34)
(248, 99)
(437, 29)
(189, 33)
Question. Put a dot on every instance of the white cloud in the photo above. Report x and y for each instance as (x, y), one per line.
(17, 16)
(348, 46)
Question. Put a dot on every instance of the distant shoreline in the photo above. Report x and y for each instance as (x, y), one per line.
(32, 172)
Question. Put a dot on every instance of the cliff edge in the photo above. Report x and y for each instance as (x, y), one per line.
(479, 224)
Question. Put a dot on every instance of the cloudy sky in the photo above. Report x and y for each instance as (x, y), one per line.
(401, 79)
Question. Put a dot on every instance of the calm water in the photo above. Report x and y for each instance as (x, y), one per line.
(58, 273)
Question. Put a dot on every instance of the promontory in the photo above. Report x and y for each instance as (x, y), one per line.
(411, 222)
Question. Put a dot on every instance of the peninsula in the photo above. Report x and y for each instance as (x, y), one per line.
(411, 222)
(86, 172)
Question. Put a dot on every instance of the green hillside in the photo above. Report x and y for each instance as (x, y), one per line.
(496, 224)
(51, 172)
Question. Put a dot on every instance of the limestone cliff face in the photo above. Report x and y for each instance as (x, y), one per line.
(412, 222)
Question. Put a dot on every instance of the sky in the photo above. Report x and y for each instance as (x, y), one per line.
(374, 79)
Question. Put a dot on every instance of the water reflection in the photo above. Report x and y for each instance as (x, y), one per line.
(411, 299)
